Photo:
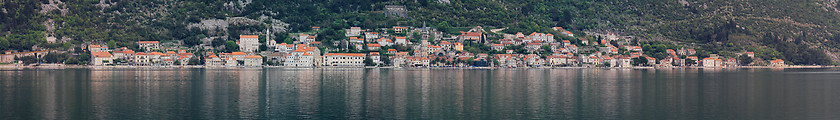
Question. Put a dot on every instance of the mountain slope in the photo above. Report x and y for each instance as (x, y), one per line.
(799, 31)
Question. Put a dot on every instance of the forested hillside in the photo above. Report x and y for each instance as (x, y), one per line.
(799, 31)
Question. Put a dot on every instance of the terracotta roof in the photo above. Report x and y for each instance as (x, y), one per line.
(470, 34)
(148, 42)
(373, 45)
(101, 54)
(249, 36)
(392, 49)
(238, 53)
(155, 53)
(345, 54)
(400, 38)
(254, 57)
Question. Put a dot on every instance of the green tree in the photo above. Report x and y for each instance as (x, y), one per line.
(263, 47)
(193, 61)
(231, 46)
(369, 62)
(192, 41)
(54, 57)
(28, 60)
(640, 61)
(744, 60)
(112, 44)
(4, 44)
(218, 42)
(72, 61)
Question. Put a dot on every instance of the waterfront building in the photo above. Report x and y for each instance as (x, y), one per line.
(249, 43)
(300, 58)
(213, 61)
(97, 48)
(353, 31)
(9, 57)
(253, 61)
(101, 58)
(344, 59)
(777, 63)
(149, 45)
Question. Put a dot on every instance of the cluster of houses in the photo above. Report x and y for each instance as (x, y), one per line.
(102, 55)
(431, 49)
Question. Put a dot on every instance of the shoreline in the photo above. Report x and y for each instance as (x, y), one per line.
(60, 66)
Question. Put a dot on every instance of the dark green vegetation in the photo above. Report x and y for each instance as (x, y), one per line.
(799, 31)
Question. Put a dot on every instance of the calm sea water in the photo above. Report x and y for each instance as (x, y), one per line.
(419, 94)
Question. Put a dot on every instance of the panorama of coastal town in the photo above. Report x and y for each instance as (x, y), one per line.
(414, 47)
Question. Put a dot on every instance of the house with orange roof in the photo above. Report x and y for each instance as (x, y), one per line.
(777, 63)
(751, 54)
(384, 42)
(712, 62)
(356, 40)
(458, 46)
(149, 45)
(369, 36)
(418, 61)
(507, 60)
(302, 57)
(558, 29)
(154, 57)
(730, 62)
(353, 31)
(249, 43)
(140, 58)
(572, 48)
(651, 60)
(344, 59)
(445, 44)
(253, 61)
(184, 60)
(567, 33)
(123, 54)
(375, 57)
(213, 61)
(231, 62)
(623, 61)
(392, 51)
(471, 36)
(168, 62)
(557, 60)
(97, 48)
(101, 58)
(373, 47)
(399, 29)
(498, 47)
(401, 41)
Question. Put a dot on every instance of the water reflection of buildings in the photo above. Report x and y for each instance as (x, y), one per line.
(417, 94)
